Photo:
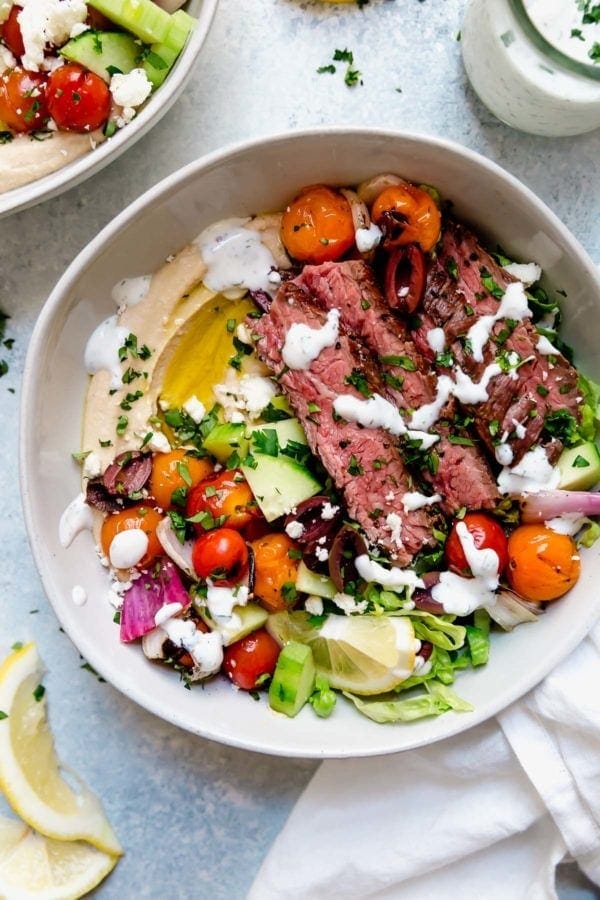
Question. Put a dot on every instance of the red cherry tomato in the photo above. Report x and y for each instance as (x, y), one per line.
(246, 660)
(223, 494)
(23, 100)
(10, 32)
(78, 100)
(486, 532)
(221, 555)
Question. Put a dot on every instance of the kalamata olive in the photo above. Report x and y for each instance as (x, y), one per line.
(347, 545)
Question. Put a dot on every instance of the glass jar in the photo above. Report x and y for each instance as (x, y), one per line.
(533, 63)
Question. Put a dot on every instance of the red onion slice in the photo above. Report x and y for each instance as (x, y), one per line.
(544, 505)
(147, 594)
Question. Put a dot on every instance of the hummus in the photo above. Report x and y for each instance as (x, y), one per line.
(25, 159)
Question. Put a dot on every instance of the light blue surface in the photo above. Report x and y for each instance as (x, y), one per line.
(195, 818)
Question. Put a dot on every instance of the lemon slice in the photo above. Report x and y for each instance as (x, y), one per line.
(32, 866)
(30, 775)
(360, 654)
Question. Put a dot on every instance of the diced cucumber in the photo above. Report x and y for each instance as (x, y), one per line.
(224, 439)
(282, 403)
(579, 467)
(279, 484)
(244, 619)
(293, 679)
(286, 430)
(100, 50)
(159, 61)
(143, 18)
(312, 583)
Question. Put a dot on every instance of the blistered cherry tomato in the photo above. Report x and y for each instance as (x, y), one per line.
(174, 471)
(542, 564)
(423, 219)
(254, 655)
(23, 104)
(10, 32)
(275, 571)
(224, 494)
(78, 100)
(143, 517)
(486, 533)
(318, 225)
(221, 555)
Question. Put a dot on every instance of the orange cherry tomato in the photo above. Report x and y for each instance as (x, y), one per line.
(176, 471)
(23, 100)
(226, 494)
(10, 32)
(143, 517)
(275, 573)
(78, 99)
(542, 564)
(317, 226)
(423, 219)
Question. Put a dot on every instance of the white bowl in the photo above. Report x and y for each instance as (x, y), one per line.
(246, 179)
(77, 171)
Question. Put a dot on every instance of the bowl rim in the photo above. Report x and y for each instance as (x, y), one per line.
(87, 165)
(52, 306)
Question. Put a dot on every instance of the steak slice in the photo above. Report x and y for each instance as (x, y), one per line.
(460, 290)
(365, 463)
(463, 476)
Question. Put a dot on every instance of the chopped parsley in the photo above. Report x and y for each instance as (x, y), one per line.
(289, 592)
(354, 467)
(352, 76)
(594, 52)
(445, 359)
(122, 423)
(580, 462)
(561, 424)
(358, 380)
(39, 692)
(490, 285)
(3, 715)
(405, 362)
(452, 268)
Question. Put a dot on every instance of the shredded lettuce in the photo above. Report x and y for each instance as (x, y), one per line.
(437, 699)
(442, 667)
(591, 534)
(438, 630)
(590, 408)
(479, 645)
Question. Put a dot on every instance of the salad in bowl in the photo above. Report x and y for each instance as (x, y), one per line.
(327, 450)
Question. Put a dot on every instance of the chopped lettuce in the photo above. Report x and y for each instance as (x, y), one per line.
(438, 630)
(479, 645)
(437, 699)
(590, 535)
(590, 408)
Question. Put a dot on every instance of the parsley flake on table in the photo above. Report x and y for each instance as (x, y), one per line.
(352, 76)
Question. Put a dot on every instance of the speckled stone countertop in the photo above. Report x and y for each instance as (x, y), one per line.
(197, 818)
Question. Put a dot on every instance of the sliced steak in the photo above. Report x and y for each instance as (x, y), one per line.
(365, 463)
(463, 476)
(464, 284)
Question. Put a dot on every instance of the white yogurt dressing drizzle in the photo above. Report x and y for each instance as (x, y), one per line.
(377, 412)
(390, 578)
(568, 523)
(304, 344)
(532, 474)
(127, 548)
(102, 350)
(236, 258)
(79, 595)
(367, 238)
(77, 517)
(460, 596)
(206, 650)
(512, 306)
(415, 500)
(436, 339)
(527, 273)
(130, 291)
(545, 348)
(220, 601)
(463, 388)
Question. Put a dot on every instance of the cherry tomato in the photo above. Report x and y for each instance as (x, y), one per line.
(140, 516)
(318, 225)
(542, 564)
(486, 532)
(275, 572)
(78, 100)
(423, 220)
(23, 104)
(223, 494)
(221, 555)
(254, 655)
(10, 32)
(183, 658)
(176, 471)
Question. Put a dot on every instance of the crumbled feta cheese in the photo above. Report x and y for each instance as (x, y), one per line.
(294, 530)
(7, 60)
(314, 605)
(194, 408)
(45, 22)
(130, 90)
(92, 466)
(329, 511)
(349, 604)
(245, 397)
(158, 443)
(394, 524)
(322, 554)
(78, 28)
(367, 238)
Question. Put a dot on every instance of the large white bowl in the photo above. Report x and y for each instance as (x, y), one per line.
(90, 163)
(243, 180)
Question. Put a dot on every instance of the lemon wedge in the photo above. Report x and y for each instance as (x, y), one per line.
(360, 654)
(37, 867)
(30, 772)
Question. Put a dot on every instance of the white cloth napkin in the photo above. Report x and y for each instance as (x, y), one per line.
(486, 815)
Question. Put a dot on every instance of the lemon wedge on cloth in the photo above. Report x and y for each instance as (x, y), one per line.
(360, 654)
(33, 867)
(30, 772)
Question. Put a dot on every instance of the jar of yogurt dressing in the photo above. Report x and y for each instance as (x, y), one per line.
(536, 63)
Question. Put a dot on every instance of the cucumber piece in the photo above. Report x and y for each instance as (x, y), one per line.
(286, 429)
(282, 403)
(161, 57)
(143, 18)
(309, 582)
(579, 467)
(224, 439)
(98, 50)
(244, 620)
(279, 484)
(293, 679)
